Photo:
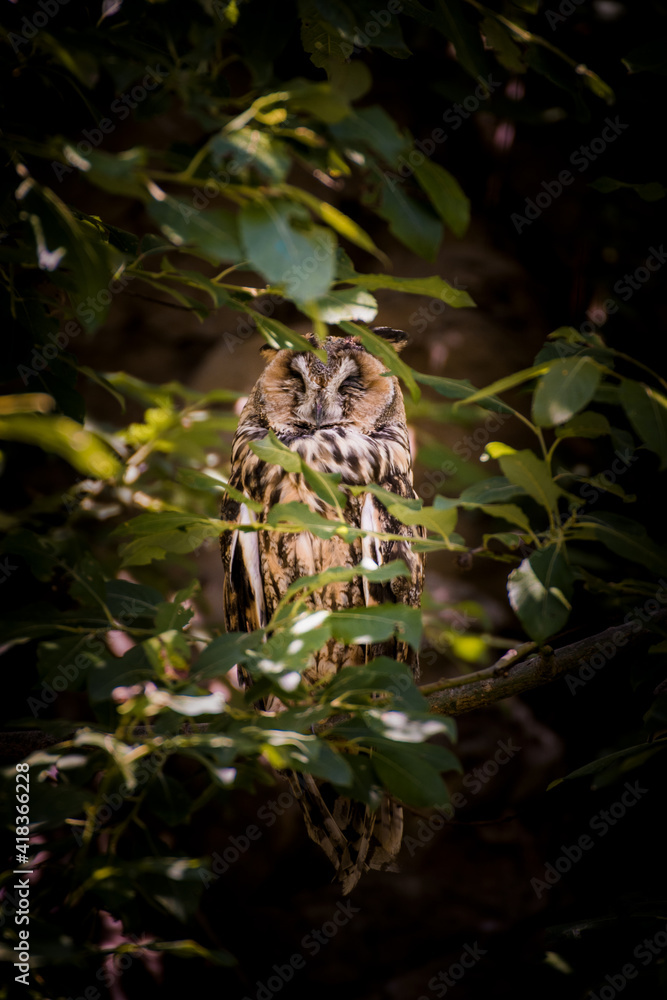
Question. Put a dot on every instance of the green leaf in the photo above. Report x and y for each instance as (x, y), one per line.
(649, 57)
(343, 304)
(509, 382)
(385, 351)
(623, 536)
(452, 388)
(364, 786)
(225, 652)
(252, 147)
(194, 279)
(650, 191)
(168, 800)
(104, 676)
(540, 590)
(62, 436)
(405, 771)
(171, 614)
(132, 603)
(162, 532)
(565, 389)
(434, 286)
(188, 705)
(297, 516)
(343, 574)
(603, 482)
(440, 518)
(405, 727)
(322, 760)
(343, 224)
(65, 243)
(374, 128)
(446, 196)
(642, 751)
(318, 99)
(464, 36)
(409, 221)
(283, 245)
(112, 172)
(280, 337)
(213, 231)
(362, 626)
(196, 480)
(271, 450)
(496, 489)
(507, 511)
(500, 40)
(646, 410)
(525, 469)
(357, 685)
(585, 425)
(38, 552)
(51, 805)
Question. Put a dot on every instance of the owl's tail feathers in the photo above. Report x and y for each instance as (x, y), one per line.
(352, 836)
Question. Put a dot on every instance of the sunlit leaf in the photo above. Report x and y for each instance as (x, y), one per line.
(540, 590)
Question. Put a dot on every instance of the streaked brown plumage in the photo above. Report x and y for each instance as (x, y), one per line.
(344, 416)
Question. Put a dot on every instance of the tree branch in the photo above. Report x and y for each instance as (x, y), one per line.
(508, 676)
(502, 681)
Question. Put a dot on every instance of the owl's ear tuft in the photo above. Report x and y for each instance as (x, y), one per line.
(397, 338)
(268, 352)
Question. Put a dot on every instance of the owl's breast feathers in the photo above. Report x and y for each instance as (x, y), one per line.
(260, 566)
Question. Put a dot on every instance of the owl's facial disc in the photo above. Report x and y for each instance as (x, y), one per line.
(302, 395)
(324, 395)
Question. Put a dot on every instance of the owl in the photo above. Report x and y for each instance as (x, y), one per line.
(347, 416)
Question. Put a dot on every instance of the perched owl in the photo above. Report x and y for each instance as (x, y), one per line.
(344, 416)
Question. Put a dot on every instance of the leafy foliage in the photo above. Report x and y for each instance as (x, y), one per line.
(114, 621)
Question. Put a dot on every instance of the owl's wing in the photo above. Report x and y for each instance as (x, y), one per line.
(243, 594)
(401, 590)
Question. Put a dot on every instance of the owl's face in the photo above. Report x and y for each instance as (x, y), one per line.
(302, 395)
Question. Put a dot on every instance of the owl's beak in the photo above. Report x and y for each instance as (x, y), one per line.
(319, 413)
